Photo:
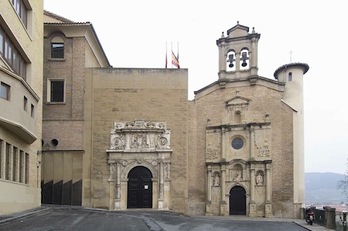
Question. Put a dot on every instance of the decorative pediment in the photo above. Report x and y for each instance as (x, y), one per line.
(238, 31)
(237, 101)
(140, 136)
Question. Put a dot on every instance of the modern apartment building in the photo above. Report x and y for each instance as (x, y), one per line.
(21, 70)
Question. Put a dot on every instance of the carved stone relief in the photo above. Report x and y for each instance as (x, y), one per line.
(262, 143)
(212, 153)
(139, 135)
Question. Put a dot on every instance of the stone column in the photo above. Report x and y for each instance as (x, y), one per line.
(112, 166)
(222, 57)
(268, 204)
(209, 184)
(252, 185)
(252, 205)
(252, 142)
(161, 185)
(223, 191)
(237, 61)
(223, 155)
(167, 198)
(268, 183)
(208, 204)
(253, 57)
(118, 186)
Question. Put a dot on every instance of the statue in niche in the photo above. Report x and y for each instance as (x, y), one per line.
(216, 180)
(259, 179)
(239, 176)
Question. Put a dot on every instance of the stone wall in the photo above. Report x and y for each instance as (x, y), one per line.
(264, 105)
(127, 95)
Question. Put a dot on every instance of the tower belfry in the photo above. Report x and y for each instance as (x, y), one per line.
(238, 53)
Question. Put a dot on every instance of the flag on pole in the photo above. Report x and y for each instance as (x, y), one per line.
(175, 60)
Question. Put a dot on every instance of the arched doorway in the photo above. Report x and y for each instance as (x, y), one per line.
(139, 188)
(237, 201)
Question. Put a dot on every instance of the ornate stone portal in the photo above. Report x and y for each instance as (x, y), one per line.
(139, 143)
(239, 156)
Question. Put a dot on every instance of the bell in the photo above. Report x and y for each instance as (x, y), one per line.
(244, 64)
(230, 60)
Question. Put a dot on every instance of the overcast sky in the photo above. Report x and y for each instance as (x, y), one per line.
(134, 33)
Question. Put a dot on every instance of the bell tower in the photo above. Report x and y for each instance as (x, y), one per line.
(238, 53)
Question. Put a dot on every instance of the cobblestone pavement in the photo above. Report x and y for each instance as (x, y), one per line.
(77, 218)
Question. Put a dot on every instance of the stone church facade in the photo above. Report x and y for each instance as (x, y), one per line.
(124, 138)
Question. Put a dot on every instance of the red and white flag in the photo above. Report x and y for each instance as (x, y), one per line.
(175, 60)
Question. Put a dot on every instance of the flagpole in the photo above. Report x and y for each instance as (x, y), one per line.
(171, 49)
(177, 55)
(166, 60)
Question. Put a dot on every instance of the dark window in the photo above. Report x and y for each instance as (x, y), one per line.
(32, 111)
(26, 180)
(21, 166)
(7, 161)
(15, 164)
(2, 38)
(11, 54)
(21, 10)
(237, 143)
(25, 103)
(57, 50)
(57, 90)
(290, 76)
(1, 157)
(5, 91)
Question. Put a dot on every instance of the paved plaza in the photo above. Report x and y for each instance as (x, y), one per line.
(49, 218)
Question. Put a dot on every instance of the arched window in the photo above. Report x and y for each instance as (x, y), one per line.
(57, 48)
(230, 61)
(244, 59)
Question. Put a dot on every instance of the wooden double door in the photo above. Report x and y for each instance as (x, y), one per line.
(237, 201)
(139, 188)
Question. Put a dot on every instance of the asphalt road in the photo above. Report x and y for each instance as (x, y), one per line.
(65, 218)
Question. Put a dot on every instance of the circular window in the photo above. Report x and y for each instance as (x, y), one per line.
(54, 142)
(237, 143)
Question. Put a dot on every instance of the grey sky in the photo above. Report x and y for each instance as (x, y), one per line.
(134, 33)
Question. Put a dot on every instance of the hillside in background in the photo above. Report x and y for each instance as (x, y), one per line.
(321, 188)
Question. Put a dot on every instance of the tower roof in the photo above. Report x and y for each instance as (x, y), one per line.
(304, 66)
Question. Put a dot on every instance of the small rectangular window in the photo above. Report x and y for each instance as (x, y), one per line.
(21, 10)
(21, 166)
(5, 91)
(11, 54)
(57, 91)
(26, 168)
(7, 161)
(32, 112)
(25, 103)
(15, 164)
(1, 158)
(2, 36)
(57, 50)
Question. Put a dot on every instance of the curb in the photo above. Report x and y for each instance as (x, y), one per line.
(24, 214)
